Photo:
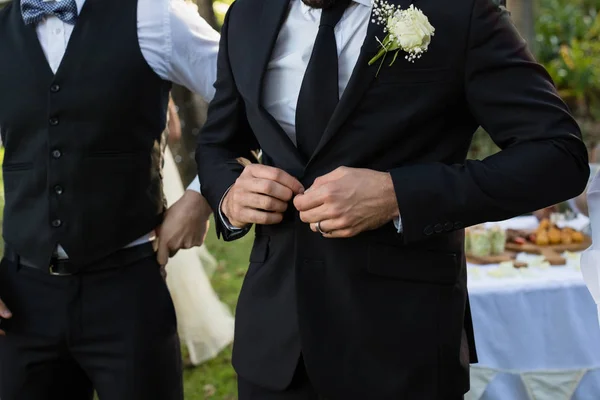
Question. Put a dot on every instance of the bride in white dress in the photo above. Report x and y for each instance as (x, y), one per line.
(205, 324)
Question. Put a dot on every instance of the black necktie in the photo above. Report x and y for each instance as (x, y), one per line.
(319, 93)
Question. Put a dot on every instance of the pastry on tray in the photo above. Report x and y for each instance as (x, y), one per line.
(546, 234)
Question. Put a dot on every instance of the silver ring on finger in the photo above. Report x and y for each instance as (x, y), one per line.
(321, 231)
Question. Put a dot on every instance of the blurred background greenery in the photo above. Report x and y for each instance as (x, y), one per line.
(563, 34)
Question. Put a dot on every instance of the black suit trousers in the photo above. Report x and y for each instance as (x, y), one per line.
(300, 388)
(113, 331)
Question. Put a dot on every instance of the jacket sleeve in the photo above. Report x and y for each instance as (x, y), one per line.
(543, 159)
(225, 136)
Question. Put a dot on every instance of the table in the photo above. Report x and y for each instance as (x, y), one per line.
(536, 332)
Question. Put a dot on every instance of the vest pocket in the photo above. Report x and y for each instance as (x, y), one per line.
(8, 167)
(114, 154)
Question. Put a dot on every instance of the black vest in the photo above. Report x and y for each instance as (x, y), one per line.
(82, 147)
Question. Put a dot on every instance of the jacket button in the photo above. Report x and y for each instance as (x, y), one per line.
(55, 88)
(438, 228)
(53, 121)
(428, 231)
(448, 226)
(458, 225)
(56, 223)
(56, 154)
(58, 189)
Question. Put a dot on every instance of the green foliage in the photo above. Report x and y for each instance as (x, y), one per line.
(216, 379)
(568, 46)
(220, 7)
(482, 146)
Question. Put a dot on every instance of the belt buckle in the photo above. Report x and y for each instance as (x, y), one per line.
(52, 269)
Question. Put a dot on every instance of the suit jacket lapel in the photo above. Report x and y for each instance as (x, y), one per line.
(360, 80)
(271, 18)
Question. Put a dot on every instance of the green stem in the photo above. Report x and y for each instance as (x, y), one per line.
(380, 65)
(380, 54)
(394, 59)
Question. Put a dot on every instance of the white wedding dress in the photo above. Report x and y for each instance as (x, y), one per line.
(205, 324)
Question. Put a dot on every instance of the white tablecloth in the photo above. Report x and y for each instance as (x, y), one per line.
(536, 332)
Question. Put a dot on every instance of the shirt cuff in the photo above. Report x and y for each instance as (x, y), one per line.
(398, 224)
(224, 219)
(195, 185)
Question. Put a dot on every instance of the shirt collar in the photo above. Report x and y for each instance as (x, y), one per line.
(366, 3)
(306, 9)
(79, 5)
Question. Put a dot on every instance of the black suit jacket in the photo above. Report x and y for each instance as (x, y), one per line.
(384, 315)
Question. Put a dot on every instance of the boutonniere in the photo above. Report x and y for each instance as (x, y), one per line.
(244, 162)
(406, 30)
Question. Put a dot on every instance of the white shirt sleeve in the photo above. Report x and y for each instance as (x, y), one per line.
(398, 224)
(178, 44)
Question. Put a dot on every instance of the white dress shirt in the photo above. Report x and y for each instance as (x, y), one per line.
(178, 44)
(291, 54)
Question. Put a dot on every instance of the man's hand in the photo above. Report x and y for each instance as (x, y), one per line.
(185, 226)
(349, 201)
(4, 314)
(260, 196)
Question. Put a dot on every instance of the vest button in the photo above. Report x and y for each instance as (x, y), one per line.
(58, 189)
(55, 88)
(56, 154)
(56, 223)
(53, 121)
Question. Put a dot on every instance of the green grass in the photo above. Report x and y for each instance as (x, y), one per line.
(216, 379)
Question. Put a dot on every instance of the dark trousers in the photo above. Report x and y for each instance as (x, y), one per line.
(112, 330)
(299, 389)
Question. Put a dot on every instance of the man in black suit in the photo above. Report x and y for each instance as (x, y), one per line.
(357, 288)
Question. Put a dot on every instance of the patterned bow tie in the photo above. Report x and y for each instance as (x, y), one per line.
(34, 11)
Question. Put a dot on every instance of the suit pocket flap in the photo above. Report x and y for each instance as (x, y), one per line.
(413, 76)
(413, 265)
(260, 249)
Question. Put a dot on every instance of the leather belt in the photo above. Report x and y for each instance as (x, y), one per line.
(65, 267)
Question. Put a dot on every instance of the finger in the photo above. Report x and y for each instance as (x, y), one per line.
(277, 175)
(332, 225)
(341, 234)
(258, 217)
(268, 188)
(2, 333)
(162, 255)
(327, 178)
(4, 311)
(266, 203)
(320, 213)
(311, 199)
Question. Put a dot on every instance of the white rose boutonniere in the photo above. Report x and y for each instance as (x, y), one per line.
(406, 30)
